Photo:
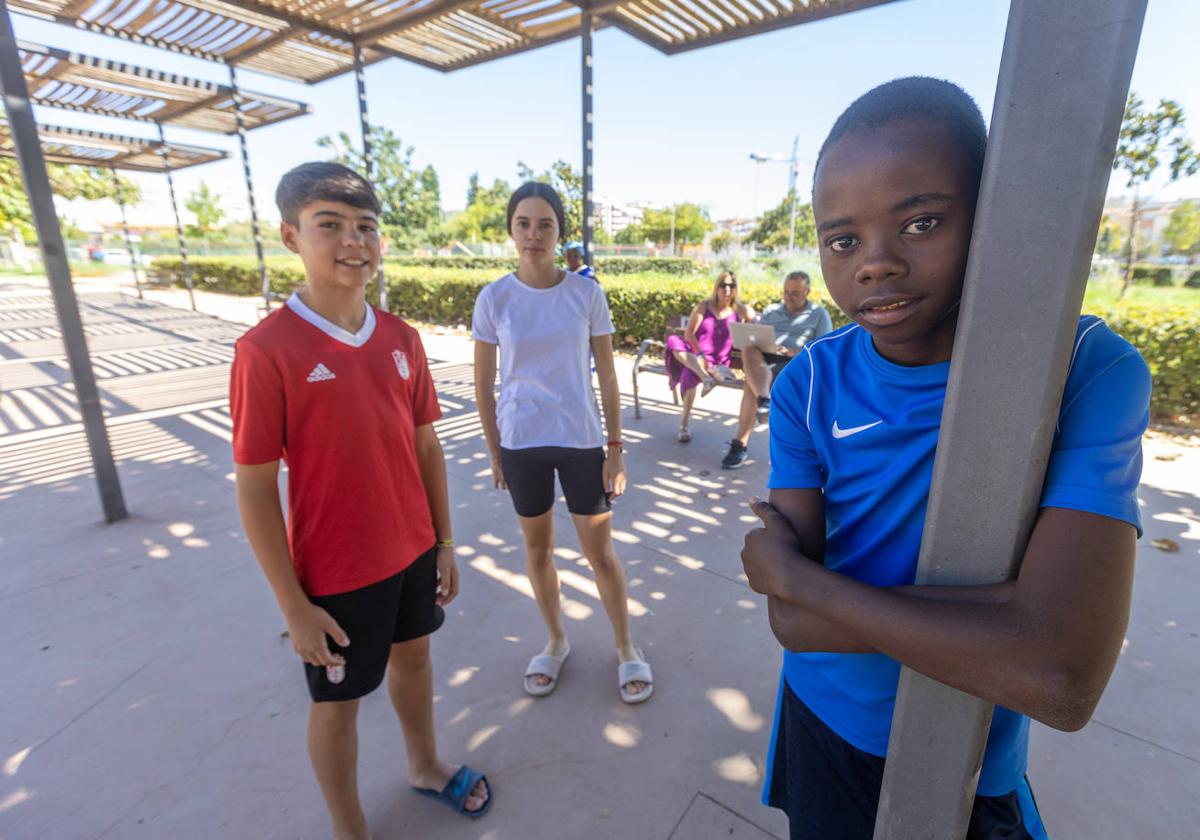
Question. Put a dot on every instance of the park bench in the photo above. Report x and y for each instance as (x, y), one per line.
(655, 363)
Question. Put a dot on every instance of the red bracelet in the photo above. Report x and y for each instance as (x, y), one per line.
(620, 444)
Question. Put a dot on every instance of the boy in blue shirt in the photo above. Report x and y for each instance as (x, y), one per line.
(854, 425)
(573, 254)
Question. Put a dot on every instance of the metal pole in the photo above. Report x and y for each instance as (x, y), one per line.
(58, 272)
(183, 252)
(1051, 147)
(360, 79)
(133, 263)
(585, 33)
(241, 133)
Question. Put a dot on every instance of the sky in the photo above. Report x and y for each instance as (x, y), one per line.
(667, 129)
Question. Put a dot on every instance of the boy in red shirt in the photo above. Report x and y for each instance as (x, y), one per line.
(342, 392)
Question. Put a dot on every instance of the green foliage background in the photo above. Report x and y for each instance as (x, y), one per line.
(644, 294)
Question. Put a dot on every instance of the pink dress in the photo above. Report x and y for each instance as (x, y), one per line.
(716, 345)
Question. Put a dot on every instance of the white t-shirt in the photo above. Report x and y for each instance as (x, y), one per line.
(544, 335)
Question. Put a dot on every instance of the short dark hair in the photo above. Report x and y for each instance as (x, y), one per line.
(918, 98)
(322, 181)
(536, 189)
(798, 275)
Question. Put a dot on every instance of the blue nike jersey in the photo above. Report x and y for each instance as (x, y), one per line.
(864, 430)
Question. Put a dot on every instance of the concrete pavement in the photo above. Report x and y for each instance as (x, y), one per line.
(148, 692)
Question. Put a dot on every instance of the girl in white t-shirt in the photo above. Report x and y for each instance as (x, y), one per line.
(546, 325)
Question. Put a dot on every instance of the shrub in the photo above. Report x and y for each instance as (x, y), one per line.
(230, 275)
(1169, 340)
(605, 266)
(1193, 280)
(1154, 275)
(1167, 335)
(677, 266)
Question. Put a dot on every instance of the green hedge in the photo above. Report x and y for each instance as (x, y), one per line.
(641, 303)
(1193, 280)
(606, 266)
(230, 275)
(1168, 336)
(1155, 275)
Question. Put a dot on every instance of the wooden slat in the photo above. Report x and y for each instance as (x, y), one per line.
(313, 40)
(95, 85)
(94, 148)
(532, 45)
(814, 11)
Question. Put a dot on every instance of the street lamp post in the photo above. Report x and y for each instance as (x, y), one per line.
(793, 170)
(795, 199)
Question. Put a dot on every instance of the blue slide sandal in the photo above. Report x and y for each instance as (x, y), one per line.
(456, 791)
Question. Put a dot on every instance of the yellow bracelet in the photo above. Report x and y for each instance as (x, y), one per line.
(444, 544)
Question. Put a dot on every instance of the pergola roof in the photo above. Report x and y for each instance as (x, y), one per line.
(62, 79)
(98, 148)
(312, 40)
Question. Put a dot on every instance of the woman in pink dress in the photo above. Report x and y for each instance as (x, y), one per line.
(702, 355)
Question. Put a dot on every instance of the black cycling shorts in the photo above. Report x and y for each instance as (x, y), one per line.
(530, 477)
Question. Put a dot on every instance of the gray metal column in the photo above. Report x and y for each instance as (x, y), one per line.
(241, 133)
(133, 262)
(585, 35)
(360, 80)
(54, 258)
(1059, 101)
(183, 252)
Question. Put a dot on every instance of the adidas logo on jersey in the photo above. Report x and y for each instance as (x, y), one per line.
(320, 373)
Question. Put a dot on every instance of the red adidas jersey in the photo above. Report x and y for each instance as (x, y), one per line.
(341, 409)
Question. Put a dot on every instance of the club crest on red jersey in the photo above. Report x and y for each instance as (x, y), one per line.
(401, 361)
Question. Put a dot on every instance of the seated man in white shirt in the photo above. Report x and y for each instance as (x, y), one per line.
(797, 322)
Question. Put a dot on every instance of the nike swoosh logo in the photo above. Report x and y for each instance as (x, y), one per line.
(839, 432)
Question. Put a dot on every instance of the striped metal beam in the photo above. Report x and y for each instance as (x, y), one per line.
(241, 134)
(585, 30)
(183, 251)
(32, 163)
(364, 122)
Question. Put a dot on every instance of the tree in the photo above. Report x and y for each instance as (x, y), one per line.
(410, 199)
(631, 235)
(485, 217)
(206, 206)
(1144, 136)
(1183, 230)
(685, 224)
(774, 229)
(68, 182)
(1111, 237)
(722, 241)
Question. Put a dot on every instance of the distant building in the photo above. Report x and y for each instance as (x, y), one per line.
(114, 230)
(614, 218)
(1153, 216)
(739, 226)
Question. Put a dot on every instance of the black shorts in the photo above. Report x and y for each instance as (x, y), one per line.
(396, 609)
(829, 788)
(530, 477)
